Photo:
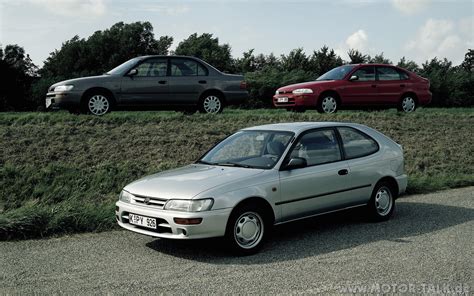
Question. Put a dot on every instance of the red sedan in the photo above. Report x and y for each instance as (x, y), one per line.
(369, 85)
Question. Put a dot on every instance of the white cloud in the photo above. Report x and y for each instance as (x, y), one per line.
(165, 9)
(410, 6)
(442, 39)
(73, 7)
(358, 40)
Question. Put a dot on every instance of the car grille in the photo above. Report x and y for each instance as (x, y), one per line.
(159, 203)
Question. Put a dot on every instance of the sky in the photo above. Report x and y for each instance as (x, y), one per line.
(417, 29)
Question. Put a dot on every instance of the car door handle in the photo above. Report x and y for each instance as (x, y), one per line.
(374, 85)
(343, 172)
(402, 85)
(162, 82)
(202, 81)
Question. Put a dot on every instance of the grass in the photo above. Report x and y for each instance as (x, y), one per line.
(61, 173)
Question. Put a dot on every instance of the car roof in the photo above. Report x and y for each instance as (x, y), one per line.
(298, 127)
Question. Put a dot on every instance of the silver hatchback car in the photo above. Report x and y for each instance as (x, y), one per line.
(264, 176)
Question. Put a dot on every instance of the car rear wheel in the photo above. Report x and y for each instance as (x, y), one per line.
(328, 104)
(211, 104)
(98, 104)
(407, 104)
(246, 230)
(382, 202)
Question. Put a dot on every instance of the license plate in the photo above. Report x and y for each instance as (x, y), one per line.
(48, 103)
(282, 100)
(142, 221)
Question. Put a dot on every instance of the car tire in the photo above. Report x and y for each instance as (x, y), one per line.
(382, 202)
(211, 104)
(328, 104)
(98, 104)
(247, 230)
(407, 104)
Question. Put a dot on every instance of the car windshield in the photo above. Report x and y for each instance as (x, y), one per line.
(336, 73)
(250, 149)
(122, 68)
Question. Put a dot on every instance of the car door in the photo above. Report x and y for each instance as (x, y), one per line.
(362, 90)
(364, 162)
(148, 86)
(321, 185)
(188, 79)
(390, 87)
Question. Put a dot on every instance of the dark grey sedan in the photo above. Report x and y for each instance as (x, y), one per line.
(156, 81)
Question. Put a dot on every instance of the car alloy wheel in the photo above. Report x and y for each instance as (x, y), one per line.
(329, 104)
(408, 104)
(212, 104)
(98, 105)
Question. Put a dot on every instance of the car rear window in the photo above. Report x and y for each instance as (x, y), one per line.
(356, 144)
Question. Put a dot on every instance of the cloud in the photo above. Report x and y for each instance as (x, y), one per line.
(165, 9)
(358, 40)
(73, 7)
(410, 6)
(441, 38)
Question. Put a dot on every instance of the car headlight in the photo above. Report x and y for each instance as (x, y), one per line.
(300, 91)
(63, 87)
(189, 205)
(276, 92)
(125, 196)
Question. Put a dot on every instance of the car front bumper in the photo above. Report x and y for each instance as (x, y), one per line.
(213, 222)
(290, 100)
(57, 100)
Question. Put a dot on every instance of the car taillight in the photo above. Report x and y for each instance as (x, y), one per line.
(243, 85)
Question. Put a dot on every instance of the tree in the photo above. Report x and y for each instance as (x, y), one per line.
(295, 60)
(356, 57)
(208, 49)
(324, 60)
(378, 59)
(408, 65)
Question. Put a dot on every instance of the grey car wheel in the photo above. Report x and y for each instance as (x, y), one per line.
(382, 203)
(246, 230)
(328, 104)
(98, 104)
(211, 104)
(407, 104)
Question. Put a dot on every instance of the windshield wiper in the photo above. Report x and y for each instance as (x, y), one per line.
(205, 162)
(234, 164)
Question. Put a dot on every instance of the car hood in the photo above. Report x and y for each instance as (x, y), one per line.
(309, 84)
(82, 80)
(188, 181)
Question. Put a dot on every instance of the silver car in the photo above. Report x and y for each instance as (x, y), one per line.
(264, 176)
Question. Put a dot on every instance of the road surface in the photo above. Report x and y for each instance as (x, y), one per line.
(426, 248)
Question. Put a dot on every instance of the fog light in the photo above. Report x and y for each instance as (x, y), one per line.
(187, 221)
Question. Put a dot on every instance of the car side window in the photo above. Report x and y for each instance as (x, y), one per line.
(387, 73)
(356, 143)
(152, 68)
(317, 147)
(403, 75)
(365, 73)
(186, 67)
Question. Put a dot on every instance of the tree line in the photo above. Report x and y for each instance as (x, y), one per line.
(24, 85)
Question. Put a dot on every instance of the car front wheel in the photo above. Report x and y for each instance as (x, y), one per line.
(328, 104)
(98, 104)
(246, 230)
(382, 202)
(211, 104)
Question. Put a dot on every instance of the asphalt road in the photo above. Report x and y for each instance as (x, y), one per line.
(426, 248)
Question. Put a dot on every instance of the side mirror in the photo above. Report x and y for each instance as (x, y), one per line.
(296, 163)
(132, 72)
(354, 78)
